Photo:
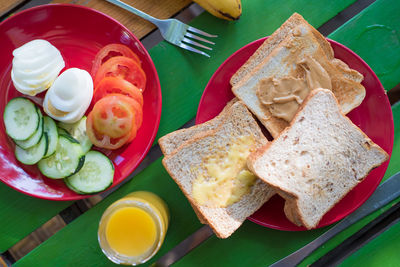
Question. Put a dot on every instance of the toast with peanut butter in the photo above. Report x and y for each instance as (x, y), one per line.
(295, 60)
(285, 30)
(211, 171)
(317, 160)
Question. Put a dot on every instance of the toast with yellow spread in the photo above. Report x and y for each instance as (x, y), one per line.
(172, 141)
(211, 171)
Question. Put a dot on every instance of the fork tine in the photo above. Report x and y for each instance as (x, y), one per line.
(201, 32)
(188, 34)
(187, 47)
(186, 40)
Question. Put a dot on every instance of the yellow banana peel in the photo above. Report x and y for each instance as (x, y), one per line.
(224, 9)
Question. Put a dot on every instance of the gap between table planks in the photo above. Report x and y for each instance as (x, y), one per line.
(227, 46)
(161, 9)
(47, 209)
(7, 5)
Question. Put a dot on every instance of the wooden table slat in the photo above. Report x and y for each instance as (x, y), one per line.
(6, 5)
(381, 251)
(375, 36)
(382, 12)
(80, 247)
(161, 9)
(22, 214)
(183, 76)
(384, 250)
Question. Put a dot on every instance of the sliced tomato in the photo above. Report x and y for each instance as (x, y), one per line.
(110, 85)
(110, 51)
(102, 140)
(123, 67)
(114, 116)
(138, 109)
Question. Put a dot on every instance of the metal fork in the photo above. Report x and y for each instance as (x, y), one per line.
(174, 31)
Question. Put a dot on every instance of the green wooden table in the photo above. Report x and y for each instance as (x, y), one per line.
(183, 77)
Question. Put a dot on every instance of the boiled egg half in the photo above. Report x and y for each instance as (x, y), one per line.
(70, 95)
(35, 66)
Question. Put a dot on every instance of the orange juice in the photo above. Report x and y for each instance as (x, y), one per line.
(131, 231)
(133, 228)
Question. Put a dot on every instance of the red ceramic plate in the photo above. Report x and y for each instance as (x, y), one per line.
(79, 33)
(373, 116)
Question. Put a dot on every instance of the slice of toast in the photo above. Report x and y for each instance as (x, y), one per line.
(188, 162)
(278, 36)
(168, 143)
(284, 61)
(316, 161)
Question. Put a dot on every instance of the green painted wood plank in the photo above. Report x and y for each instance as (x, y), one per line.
(394, 165)
(76, 244)
(384, 12)
(375, 36)
(183, 77)
(273, 245)
(21, 214)
(381, 251)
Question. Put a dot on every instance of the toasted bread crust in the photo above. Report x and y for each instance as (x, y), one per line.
(345, 81)
(170, 142)
(349, 93)
(223, 221)
(292, 210)
(274, 40)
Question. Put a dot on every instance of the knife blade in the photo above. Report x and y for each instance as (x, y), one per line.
(385, 193)
(184, 247)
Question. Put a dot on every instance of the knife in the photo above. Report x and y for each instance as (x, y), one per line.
(184, 247)
(385, 193)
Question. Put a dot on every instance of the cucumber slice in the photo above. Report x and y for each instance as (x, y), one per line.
(67, 160)
(62, 131)
(96, 174)
(35, 138)
(78, 131)
(33, 154)
(50, 128)
(20, 118)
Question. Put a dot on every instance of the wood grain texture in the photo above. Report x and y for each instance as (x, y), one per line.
(375, 36)
(383, 250)
(7, 5)
(161, 9)
(37, 237)
(183, 76)
(20, 214)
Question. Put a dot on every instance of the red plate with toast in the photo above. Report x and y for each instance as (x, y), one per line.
(79, 33)
(373, 116)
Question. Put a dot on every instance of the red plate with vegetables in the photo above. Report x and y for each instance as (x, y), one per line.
(122, 116)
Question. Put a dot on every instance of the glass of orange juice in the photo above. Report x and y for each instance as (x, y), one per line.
(133, 228)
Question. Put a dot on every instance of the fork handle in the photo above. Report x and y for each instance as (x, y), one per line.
(134, 10)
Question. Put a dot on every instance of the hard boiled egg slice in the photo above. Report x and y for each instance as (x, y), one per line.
(36, 65)
(69, 97)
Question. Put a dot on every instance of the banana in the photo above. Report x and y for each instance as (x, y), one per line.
(224, 9)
